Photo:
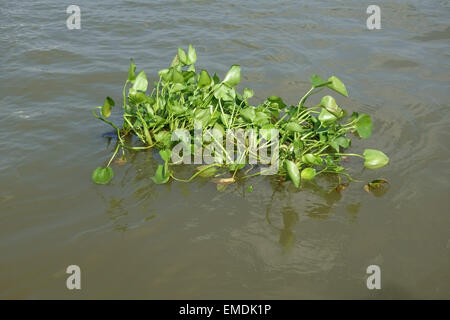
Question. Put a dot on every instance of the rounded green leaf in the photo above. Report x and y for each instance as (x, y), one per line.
(248, 93)
(102, 175)
(343, 142)
(192, 55)
(224, 93)
(204, 80)
(177, 77)
(337, 86)
(107, 105)
(293, 172)
(310, 158)
(141, 82)
(182, 56)
(330, 104)
(165, 154)
(249, 188)
(248, 114)
(327, 117)
(308, 173)
(294, 127)
(233, 76)
(374, 159)
(364, 126)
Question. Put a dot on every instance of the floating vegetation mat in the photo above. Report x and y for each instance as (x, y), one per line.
(193, 117)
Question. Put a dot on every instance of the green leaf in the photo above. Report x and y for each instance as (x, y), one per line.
(329, 103)
(178, 87)
(182, 56)
(364, 126)
(317, 81)
(233, 76)
(204, 80)
(177, 77)
(206, 171)
(308, 173)
(141, 83)
(107, 105)
(298, 147)
(248, 114)
(161, 175)
(277, 101)
(261, 118)
(177, 109)
(249, 188)
(202, 115)
(225, 93)
(375, 159)
(192, 55)
(102, 175)
(248, 93)
(165, 154)
(163, 138)
(310, 158)
(337, 86)
(343, 142)
(266, 131)
(326, 117)
(131, 70)
(294, 127)
(293, 172)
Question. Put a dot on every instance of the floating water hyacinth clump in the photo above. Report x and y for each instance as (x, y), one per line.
(311, 140)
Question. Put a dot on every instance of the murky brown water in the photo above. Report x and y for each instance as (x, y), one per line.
(134, 239)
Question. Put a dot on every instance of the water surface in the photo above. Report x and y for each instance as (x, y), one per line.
(134, 239)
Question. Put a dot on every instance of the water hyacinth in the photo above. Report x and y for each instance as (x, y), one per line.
(312, 139)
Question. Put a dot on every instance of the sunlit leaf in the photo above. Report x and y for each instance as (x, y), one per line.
(165, 154)
(233, 76)
(329, 103)
(192, 55)
(177, 77)
(204, 80)
(337, 86)
(248, 93)
(248, 114)
(141, 82)
(107, 105)
(310, 158)
(308, 173)
(375, 159)
(182, 56)
(294, 127)
(293, 172)
(364, 126)
(326, 117)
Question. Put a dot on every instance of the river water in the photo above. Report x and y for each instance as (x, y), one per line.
(135, 239)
